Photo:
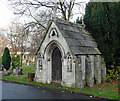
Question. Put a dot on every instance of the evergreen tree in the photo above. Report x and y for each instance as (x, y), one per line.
(6, 59)
(15, 61)
(102, 20)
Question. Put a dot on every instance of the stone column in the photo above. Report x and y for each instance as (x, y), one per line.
(80, 71)
(36, 69)
(98, 69)
(90, 70)
(83, 69)
(103, 70)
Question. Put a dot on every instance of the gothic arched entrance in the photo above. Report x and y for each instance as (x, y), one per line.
(56, 66)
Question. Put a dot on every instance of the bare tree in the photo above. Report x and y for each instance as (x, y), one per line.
(35, 7)
(41, 11)
(3, 42)
(17, 37)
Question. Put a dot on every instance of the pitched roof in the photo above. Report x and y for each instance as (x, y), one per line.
(79, 40)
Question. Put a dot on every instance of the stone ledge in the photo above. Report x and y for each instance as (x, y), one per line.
(99, 97)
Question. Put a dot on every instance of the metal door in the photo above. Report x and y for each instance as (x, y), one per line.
(56, 65)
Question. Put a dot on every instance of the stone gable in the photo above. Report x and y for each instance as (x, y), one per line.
(68, 55)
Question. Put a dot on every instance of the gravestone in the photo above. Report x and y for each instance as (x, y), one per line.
(17, 71)
(6, 73)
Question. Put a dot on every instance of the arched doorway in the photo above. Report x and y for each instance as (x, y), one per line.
(56, 66)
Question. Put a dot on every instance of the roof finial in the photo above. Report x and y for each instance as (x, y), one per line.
(54, 10)
(83, 20)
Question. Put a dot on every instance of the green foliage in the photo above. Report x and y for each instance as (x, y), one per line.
(15, 61)
(113, 73)
(106, 89)
(79, 20)
(102, 21)
(6, 59)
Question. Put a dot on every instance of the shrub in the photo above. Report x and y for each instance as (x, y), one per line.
(102, 21)
(113, 73)
(15, 61)
(6, 59)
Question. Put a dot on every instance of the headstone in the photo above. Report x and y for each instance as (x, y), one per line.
(17, 71)
(7, 73)
(28, 63)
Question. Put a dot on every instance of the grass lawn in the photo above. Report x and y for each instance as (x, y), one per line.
(107, 89)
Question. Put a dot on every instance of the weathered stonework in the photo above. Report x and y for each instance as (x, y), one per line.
(98, 66)
(81, 63)
(90, 70)
(103, 71)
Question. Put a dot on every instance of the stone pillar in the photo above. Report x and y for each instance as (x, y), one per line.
(103, 70)
(83, 69)
(98, 69)
(36, 69)
(80, 71)
(90, 70)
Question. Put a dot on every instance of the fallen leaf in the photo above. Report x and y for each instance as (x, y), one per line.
(11, 75)
(117, 88)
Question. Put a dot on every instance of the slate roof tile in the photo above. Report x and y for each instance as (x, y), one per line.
(78, 39)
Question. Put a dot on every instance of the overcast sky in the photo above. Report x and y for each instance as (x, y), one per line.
(7, 16)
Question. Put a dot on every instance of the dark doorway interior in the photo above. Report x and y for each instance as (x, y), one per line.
(56, 66)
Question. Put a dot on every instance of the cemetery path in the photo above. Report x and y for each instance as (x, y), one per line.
(20, 91)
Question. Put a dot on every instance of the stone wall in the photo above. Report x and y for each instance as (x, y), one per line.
(90, 69)
(44, 75)
(77, 71)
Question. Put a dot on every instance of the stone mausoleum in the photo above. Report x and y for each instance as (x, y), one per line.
(68, 55)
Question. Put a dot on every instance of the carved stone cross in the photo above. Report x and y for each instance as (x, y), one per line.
(54, 10)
